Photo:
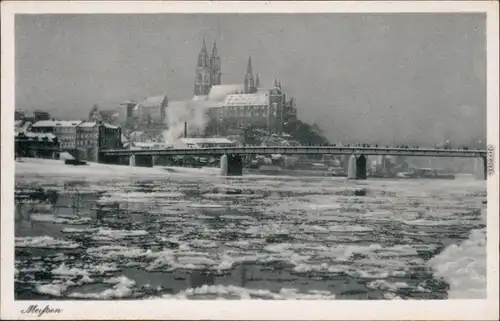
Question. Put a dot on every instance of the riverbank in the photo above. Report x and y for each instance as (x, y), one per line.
(463, 266)
(42, 168)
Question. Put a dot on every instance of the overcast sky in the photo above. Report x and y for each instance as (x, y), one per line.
(363, 77)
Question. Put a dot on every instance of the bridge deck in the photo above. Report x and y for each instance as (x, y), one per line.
(301, 150)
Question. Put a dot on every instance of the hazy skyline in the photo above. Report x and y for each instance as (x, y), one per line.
(361, 77)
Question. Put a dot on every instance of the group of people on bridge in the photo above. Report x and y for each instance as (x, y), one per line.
(387, 146)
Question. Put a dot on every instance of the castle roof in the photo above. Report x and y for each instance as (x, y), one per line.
(257, 99)
(220, 92)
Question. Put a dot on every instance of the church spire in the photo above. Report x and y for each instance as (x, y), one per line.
(214, 49)
(249, 81)
(215, 73)
(204, 73)
(203, 56)
(204, 47)
(249, 66)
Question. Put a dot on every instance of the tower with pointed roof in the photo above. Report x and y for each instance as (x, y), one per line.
(249, 83)
(208, 70)
(277, 101)
(215, 72)
(203, 76)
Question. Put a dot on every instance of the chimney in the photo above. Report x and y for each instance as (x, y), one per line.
(185, 129)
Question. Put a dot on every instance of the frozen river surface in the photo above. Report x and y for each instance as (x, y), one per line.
(196, 235)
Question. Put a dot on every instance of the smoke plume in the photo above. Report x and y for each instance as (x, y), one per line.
(184, 111)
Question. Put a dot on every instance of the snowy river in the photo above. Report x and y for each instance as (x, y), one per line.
(111, 232)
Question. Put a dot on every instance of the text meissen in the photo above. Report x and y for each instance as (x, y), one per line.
(36, 309)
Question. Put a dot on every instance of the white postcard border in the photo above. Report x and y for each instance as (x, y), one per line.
(249, 310)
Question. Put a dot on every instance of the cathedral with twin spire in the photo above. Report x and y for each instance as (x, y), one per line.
(208, 73)
(240, 105)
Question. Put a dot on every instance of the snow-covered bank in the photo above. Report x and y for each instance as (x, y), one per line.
(94, 171)
(463, 266)
(191, 170)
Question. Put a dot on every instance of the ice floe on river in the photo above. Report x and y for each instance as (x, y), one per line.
(463, 266)
(398, 241)
(44, 242)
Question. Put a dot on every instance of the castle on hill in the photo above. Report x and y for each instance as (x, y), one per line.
(239, 105)
(228, 106)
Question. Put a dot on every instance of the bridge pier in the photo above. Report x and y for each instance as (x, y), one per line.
(231, 165)
(345, 162)
(144, 160)
(480, 168)
(357, 167)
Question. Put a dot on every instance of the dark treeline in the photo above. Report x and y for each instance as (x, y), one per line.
(299, 131)
(305, 133)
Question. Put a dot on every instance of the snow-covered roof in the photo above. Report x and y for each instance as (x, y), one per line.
(110, 126)
(57, 123)
(220, 92)
(150, 144)
(154, 101)
(18, 123)
(88, 124)
(207, 140)
(258, 99)
(38, 136)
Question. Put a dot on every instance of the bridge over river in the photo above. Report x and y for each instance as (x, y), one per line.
(231, 163)
(300, 150)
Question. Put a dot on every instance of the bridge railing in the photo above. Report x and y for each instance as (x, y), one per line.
(303, 150)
